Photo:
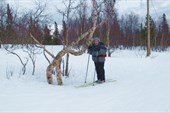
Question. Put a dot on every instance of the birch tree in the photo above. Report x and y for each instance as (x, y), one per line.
(67, 13)
(109, 4)
(69, 48)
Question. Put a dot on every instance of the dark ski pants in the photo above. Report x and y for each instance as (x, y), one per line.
(99, 66)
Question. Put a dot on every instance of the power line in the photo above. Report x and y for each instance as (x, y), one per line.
(148, 18)
(154, 8)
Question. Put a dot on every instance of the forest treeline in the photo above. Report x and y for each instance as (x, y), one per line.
(127, 30)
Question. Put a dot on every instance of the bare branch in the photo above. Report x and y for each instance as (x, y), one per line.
(38, 14)
(42, 46)
(23, 64)
(46, 57)
(77, 53)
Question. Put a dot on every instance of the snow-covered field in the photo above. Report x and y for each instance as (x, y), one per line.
(143, 85)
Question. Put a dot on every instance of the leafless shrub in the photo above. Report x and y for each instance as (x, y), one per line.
(32, 52)
(11, 50)
(9, 72)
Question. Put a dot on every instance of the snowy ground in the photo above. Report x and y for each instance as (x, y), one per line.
(142, 85)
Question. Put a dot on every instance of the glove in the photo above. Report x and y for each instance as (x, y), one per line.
(89, 50)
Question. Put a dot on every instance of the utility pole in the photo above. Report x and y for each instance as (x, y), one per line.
(148, 46)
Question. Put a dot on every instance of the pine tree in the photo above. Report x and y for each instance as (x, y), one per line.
(47, 37)
(10, 33)
(152, 32)
(31, 29)
(64, 33)
(36, 30)
(165, 32)
(143, 35)
(56, 35)
(2, 19)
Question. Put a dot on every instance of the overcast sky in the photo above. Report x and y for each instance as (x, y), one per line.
(157, 7)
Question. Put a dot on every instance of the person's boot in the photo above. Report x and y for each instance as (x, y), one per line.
(101, 81)
(97, 81)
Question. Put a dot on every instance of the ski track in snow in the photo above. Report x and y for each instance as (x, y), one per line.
(142, 85)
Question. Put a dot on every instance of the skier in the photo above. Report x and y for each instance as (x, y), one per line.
(98, 52)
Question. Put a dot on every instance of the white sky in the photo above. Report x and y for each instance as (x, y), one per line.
(157, 7)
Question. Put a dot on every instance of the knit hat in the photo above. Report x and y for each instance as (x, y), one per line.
(96, 38)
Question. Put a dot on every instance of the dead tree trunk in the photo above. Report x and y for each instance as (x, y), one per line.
(67, 65)
(109, 5)
(108, 40)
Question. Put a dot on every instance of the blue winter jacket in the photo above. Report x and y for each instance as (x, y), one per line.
(98, 52)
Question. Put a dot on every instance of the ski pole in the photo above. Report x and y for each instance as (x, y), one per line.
(87, 67)
(94, 76)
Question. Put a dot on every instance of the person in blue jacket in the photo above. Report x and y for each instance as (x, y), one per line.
(98, 51)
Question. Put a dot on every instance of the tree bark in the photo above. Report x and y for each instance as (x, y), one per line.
(67, 65)
(108, 39)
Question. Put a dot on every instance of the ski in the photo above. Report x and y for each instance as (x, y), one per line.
(93, 84)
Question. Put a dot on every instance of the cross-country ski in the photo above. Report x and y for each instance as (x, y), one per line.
(84, 56)
(94, 83)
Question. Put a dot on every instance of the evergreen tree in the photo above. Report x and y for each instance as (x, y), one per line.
(152, 32)
(47, 37)
(165, 32)
(64, 33)
(36, 30)
(10, 33)
(56, 35)
(31, 29)
(143, 35)
(2, 20)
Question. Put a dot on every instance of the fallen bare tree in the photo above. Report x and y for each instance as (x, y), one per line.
(69, 49)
